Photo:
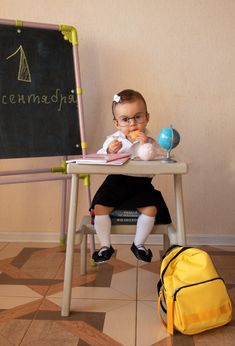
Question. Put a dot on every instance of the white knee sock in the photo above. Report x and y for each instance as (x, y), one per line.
(102, 225)
(144, 227)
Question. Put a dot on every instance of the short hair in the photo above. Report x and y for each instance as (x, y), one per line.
(128, 95)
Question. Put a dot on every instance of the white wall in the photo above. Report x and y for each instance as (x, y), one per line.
(181, 55)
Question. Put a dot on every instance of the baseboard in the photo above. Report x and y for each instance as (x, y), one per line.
(211, 239)
(192, 239)
(30, 237)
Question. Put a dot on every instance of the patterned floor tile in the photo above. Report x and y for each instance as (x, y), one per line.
(125, 283)
(114, 304)
(18, 290)
(94, 293)
(147, 285)
(152, 331)
(120, 323)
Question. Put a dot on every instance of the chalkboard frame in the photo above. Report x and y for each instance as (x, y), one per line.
(69, 34)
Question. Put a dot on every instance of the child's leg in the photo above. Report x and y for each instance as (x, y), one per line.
(145, 224)
(144, 227)
(102, 224)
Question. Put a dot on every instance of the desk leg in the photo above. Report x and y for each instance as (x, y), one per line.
(70, 247)
(180, 223)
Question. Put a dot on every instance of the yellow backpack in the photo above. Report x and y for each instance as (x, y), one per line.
(192, 296)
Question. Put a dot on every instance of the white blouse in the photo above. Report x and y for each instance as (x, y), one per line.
(127, 146)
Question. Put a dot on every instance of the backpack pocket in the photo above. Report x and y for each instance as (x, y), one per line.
(200, 306)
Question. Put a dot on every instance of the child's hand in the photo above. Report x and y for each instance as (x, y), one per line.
(114, 146)
(142, 138)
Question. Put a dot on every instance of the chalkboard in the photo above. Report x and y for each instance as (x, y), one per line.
(38, 99)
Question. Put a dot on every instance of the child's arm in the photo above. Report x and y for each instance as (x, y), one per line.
(110, 146)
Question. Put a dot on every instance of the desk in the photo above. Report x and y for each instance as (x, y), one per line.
(132, 167)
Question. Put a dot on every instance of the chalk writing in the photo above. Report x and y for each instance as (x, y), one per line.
(23, 72)
(57, 98)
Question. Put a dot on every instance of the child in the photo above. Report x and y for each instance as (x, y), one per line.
(130, 117)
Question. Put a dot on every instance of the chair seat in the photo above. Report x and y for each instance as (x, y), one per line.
(86, 227)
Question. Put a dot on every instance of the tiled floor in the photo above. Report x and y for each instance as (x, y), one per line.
(114, 304)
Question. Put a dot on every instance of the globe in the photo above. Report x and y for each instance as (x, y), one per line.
(168, 139)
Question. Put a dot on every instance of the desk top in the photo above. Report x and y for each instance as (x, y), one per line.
(130, 167)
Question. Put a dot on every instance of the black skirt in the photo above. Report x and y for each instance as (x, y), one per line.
(129, 193)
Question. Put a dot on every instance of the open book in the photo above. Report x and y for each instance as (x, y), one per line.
(101, 159)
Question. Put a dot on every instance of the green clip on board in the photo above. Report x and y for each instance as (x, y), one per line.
(39, 93)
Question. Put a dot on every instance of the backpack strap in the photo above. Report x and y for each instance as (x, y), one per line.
(172, 247)
(159, 309)
(159, 284)
(183, 248)
(170, 314)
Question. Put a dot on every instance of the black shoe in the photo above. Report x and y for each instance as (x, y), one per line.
(141, 253)
(103, 254)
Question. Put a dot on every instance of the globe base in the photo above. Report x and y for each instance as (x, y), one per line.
(168, 158)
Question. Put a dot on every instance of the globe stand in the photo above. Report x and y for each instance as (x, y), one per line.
(168, 158)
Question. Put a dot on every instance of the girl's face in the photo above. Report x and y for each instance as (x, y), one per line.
(131, 116)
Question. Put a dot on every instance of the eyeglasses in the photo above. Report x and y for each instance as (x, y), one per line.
(138, 118)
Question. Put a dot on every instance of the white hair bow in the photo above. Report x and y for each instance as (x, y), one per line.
(116, 98)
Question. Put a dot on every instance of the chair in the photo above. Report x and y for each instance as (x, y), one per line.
(86, 227)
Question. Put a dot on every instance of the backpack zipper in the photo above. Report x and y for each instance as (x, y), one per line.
(197, 283)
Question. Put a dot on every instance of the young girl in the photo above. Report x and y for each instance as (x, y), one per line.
(124, 192)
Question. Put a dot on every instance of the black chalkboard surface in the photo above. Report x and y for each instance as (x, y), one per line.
(38, 100)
